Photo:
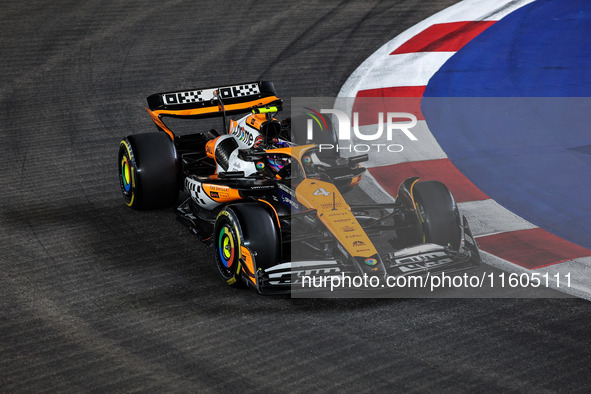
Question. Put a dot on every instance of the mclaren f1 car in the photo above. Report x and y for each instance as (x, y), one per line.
(272, 207)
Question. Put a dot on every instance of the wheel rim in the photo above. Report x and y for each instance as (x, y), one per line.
(125, 174)
(226, 247)
(228, 250)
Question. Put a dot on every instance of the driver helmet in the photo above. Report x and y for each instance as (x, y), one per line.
(277, 162)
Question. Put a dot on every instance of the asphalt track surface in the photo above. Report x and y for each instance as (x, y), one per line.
(96, 297)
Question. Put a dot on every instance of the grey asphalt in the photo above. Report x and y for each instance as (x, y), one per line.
(95, 297)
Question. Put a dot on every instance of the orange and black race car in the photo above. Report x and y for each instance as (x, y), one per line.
(273, 210)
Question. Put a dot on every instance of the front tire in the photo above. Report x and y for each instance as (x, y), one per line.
(438, 214)
(250, 226)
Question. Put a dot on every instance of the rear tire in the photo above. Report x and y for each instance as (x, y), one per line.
(438, 213)
(148, 171)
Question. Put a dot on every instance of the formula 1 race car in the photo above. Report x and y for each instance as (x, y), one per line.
(274, 210)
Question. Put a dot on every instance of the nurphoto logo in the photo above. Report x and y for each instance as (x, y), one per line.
(396, 123)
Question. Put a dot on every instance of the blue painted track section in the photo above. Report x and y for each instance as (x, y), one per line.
(512, 110)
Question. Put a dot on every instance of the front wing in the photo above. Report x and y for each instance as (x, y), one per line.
(420, 260)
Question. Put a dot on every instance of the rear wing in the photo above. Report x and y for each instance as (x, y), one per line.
(211, 102)
(204, 102)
